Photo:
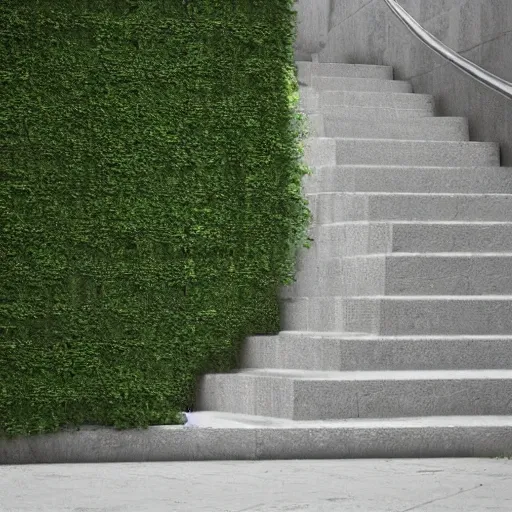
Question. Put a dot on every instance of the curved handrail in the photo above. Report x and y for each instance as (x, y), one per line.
(470, 68)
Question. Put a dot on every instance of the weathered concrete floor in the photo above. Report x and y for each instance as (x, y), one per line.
(427, 485)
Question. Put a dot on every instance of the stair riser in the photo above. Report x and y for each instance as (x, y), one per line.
(448, 276)
(330, 152)
(335, 241)
(312, 99)
(332, 83)
(497, 180)
(400, 317)
(156, 444)
(344, 207)
(338, 277)
(444, 317)
(427, 128)
(331, 399)
(381, 275)
(245, 394)
(338, 240)
(454, 238)
(370, 114)
(325, 354)
(308, 70)
(384, 443)
(375, 99)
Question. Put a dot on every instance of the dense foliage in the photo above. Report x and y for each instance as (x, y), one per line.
(150, 201)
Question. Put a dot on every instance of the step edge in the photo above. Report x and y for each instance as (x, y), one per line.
(489, 375)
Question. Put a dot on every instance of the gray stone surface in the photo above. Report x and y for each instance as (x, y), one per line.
(365, 99)
(467, 274)
(100, 444)
(368, 114)
(329, 151)
(367, 32)
(316, 395)
(437, 485)
(332, 207)
(410, 179)
(402, 307)
(404, 315)
(334, 83)
(312, 27)
(405, 274)
(353, 238)
(452, 237)
(222, 436)
(362, 237)
(306, 71)
(436, 274)
(400, 315)
(411, 152)
(420, 128)
(345, 352)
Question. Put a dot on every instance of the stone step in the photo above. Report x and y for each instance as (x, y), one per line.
(312, 100)
(404, 274)
(220, 435)
(409, 179)
(328, 151)
(417, 274)
(332, 207)
(308, 70)
(215, 436)
(335, 83)
(400, 315)
(361, 237)
(452, 237)
(351, 352)
(317, 395)
(421, 128)
(371, 114)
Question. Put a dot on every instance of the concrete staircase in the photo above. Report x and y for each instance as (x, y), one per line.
(397, 335)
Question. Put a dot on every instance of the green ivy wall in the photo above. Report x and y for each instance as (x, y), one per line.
(150, 201)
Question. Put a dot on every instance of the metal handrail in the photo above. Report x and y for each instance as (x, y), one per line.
(470, 68)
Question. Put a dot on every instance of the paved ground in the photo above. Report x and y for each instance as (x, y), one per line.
(428, 485)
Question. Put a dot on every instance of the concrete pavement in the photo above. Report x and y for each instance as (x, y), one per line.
(399, 485)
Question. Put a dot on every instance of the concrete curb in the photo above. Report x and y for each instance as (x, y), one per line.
(179, 443)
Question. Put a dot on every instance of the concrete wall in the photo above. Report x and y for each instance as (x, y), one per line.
(312, 27)
(365, 31)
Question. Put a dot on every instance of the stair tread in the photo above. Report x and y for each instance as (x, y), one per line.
(342, 64)
(369, 93)
(408, 179)
(387, 167)
(387, 375)
(411, 298)
(422, 222)
(359, 79)
(426, 255)
(413, 120)
(412, 194)
(383, 337)
(371, 113)
(361, 140)
(341, 83)
(217, 419)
